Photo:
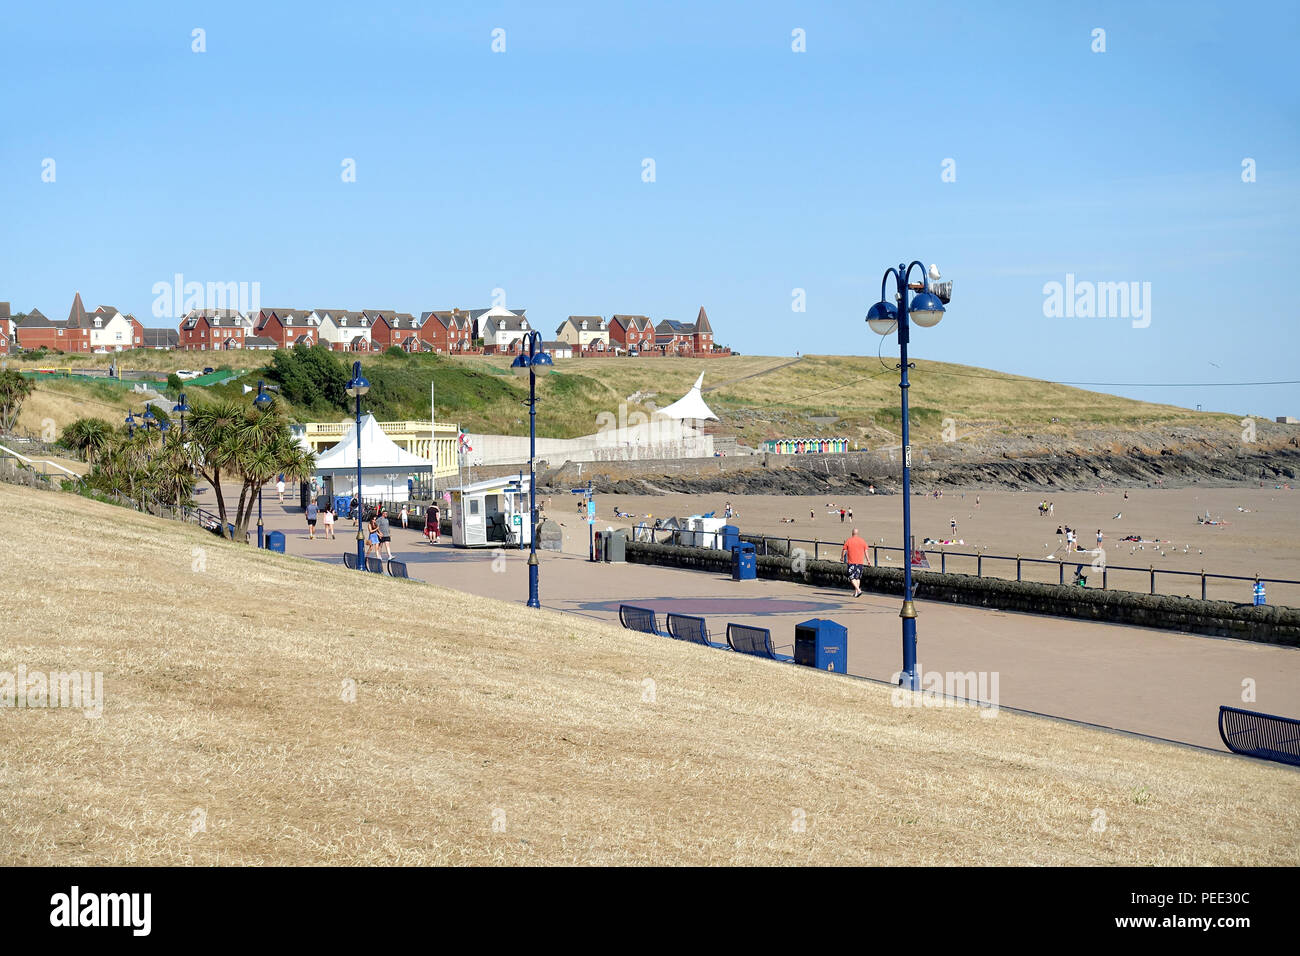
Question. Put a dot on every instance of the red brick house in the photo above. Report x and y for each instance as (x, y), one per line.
(631, 332)
(212, 330)
(447, 331)
(391, 328)
(684, 337)
(287, 327)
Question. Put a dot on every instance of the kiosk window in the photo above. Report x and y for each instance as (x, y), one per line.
(473, 506)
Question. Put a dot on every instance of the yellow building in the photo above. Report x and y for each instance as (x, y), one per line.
(419, 438)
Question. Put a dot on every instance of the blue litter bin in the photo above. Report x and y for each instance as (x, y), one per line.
(343, 505)
(730, 536)
(275, 541)
(822, 644)
(744, 562)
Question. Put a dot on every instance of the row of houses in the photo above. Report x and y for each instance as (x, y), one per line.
(472, 331)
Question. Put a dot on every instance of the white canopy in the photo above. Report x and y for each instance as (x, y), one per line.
(378, 451)
(690, 405)
(384, 466)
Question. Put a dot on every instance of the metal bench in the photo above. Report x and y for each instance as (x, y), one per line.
(397, 568)
(753, 640)
(638, 619)
(375, 565)
(350, 560)
(1260, 735)
(686, 627)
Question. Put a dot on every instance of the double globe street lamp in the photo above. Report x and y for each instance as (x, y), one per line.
(528, 364)
(357, 387)
(926, 309)
(262, 403)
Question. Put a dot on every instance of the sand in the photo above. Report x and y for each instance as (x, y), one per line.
(1259, 540)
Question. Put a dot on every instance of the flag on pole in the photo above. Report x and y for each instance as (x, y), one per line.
(463, 439)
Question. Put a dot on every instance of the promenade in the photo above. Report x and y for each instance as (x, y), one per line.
(1146, 681)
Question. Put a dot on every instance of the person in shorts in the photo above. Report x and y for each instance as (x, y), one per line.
(854, 554)
(385, 534)
(312, 512)
(433, 524)
(372, 535)
(329, 521)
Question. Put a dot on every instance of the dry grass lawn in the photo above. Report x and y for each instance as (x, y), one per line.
(482, 733)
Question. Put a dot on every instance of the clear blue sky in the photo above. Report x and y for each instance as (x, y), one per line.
(775, 170)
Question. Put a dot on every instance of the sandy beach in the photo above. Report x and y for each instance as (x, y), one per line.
(1260, 538)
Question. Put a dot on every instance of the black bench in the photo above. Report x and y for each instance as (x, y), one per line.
(753, 640)
(638, 619)
(686, 627)
(397, 568)
(375, 565)
(350, 560)
(1260, 735)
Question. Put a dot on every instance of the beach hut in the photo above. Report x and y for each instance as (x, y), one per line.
(491, 513)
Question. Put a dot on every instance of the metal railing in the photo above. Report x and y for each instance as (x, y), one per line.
(1005, 567)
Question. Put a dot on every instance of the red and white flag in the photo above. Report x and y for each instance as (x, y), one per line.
(464, 441)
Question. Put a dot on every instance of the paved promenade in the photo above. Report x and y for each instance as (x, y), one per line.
(1147, 681)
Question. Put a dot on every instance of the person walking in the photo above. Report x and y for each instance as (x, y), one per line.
(841, 516)
(854, 554)
(312, 512)
(850, 514)
(279, 486)
(385, 535)
(405, 514)
(372, 535)
(329, 521)
(356, 510)
(1099, 537)
(433, 523)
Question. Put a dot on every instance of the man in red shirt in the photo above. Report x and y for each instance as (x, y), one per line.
(854, 554)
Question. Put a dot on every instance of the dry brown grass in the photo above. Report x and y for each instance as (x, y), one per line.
(223, 694)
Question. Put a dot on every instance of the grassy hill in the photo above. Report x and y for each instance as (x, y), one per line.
(756, 397)
(483, 733)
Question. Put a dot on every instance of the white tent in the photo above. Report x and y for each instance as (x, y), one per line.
(384, 466)
(689, 406)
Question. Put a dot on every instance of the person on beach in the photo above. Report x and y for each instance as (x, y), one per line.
(952, 523)
(312, 512)
(854, 554)
(841, 516)
(977, 501)
(1099, 537)
(850, 514)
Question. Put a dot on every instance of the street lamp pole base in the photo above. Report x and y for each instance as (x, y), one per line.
(533, 600)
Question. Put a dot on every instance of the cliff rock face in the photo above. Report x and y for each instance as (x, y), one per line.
(1086, 460)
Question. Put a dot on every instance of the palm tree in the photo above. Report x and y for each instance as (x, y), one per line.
(238, 441)
(90, 436)
(14, 389)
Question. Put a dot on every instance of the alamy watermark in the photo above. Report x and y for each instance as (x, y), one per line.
(951, 689)
(1084, 299)
(174, 299)
(80, 690)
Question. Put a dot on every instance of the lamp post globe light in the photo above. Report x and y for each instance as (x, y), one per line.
(262, 403)
(528, 364)
(130, 424)
(180, 408)
(357, 387)
(148, 419)
(925, 309)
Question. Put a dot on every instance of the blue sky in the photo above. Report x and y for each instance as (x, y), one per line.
(774, 170)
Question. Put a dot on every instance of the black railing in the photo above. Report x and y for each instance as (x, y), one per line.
(1016, 567)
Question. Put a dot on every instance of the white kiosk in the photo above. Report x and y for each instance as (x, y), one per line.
(491, 513)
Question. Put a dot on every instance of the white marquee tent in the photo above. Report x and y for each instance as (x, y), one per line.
(384, 466)
(689, 406)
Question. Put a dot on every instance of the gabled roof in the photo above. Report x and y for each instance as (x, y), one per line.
(258, 341)
(36, 319)
(673, 327)
(637, 322)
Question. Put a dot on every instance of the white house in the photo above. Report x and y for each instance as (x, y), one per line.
(499, 327)
(339, 328)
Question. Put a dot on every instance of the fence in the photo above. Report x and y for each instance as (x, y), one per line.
(1149, 580)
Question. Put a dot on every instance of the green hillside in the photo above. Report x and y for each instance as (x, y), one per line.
(755, 397)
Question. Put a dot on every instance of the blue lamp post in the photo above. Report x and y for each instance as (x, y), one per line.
(925, 310)
(181, 409)
(529, 363)
(356, 388)
(148, 419)
(262, 403)
(130, 424)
